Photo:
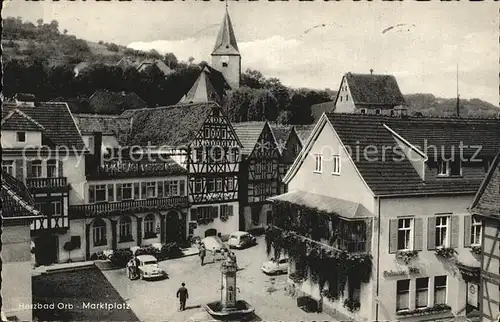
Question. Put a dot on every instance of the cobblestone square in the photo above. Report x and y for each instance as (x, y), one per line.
(156, 300)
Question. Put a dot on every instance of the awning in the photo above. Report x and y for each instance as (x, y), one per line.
(344, 208)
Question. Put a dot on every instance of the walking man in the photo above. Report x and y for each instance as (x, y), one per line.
(202, 253)
(182, 295)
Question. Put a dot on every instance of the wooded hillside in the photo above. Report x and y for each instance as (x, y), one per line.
(40, 59)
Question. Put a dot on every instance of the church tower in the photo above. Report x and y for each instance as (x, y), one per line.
(226, 57)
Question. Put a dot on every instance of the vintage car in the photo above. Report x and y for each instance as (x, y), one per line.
(241, 239)
(214, 243)
(148, 267)
(275, 267)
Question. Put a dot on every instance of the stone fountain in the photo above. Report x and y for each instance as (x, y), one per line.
(229, 306)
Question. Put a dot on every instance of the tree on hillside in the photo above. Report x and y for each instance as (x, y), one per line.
(154, 54)
(238, 103)
(171, 60)
(264, 107)
(252, 78)
(300, 109)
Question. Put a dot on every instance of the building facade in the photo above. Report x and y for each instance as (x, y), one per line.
(43, 148)
(486, 209)
(405, 207)
(18, 212)
(201, 139)
(259, 173)
(369, 94)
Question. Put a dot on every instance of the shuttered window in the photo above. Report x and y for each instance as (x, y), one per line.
(91, 194)
(418, 234)
(393, 235)
(137, 191)
(405, 234)
(214, 211)
(440, 283)
(160, 189)
(119, 192)
(476, 231)
(431, 233)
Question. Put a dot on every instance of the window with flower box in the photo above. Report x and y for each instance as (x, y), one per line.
(422, 292)
(442, 231)
(403, 295)
(476, 231)
(405, 234)
(440, 285)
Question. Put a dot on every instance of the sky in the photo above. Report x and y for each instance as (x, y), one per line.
(278, 38)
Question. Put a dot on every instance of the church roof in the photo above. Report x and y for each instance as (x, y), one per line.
(226, 40)
(210, 86)
(369, 89)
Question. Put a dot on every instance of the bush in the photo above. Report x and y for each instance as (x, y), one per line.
(121, 257)
(171, 250)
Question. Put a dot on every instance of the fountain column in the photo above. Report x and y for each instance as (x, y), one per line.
(228, 288)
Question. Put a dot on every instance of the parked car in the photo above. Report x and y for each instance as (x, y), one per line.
(148, 267)
(212, 243)
(241, 239)
(275, 267)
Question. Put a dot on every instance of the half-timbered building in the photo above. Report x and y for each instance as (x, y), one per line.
(486, 209)
(259, 173)
(43, 148)
(18, 212)
(200, 138)
(289, 145)
(390, 195)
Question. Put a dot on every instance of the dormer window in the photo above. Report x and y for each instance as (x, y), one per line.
(362, 111)
(449, 168)
(378, 111)
(21, 136)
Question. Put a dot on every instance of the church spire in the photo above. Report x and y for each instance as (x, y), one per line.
(226, 41)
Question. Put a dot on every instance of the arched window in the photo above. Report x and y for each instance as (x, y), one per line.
(125, 229)
(99, 232)
(149, 226)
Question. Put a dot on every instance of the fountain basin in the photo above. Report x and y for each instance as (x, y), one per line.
(241, 308)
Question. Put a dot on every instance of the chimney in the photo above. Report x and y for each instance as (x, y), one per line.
(371, 71)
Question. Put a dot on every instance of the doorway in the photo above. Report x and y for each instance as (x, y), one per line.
(175, 227)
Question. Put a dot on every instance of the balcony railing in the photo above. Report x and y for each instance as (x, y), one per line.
(37, 183)
(128, 206)
(126, 169)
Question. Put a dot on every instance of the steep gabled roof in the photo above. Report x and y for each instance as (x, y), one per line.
(210, 86)
(225, 43)
(116, 125)
(173, 126)
(161, 66)
(116, 100)
(318, 109)
(248, 133)
(384, 169)
(16, 120)
(487, 199)
(16, 199)
(56, 118)
(304, 131)
(374, 89)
